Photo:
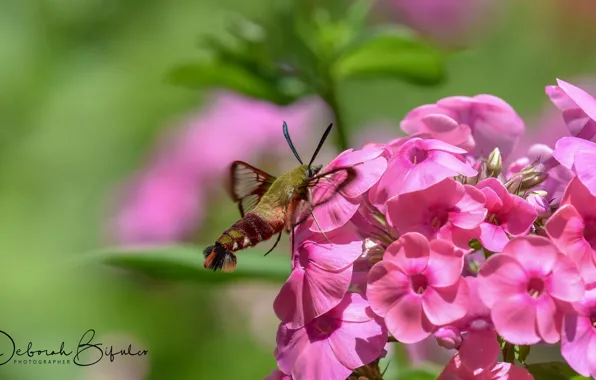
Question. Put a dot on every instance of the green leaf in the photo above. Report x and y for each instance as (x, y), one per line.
(357, 13)
(390, 53)
(553, 371)
(521, 353)
(417, 374)
(226, 75)
(185, 263)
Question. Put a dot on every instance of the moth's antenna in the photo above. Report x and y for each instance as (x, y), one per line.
(314, 156)
(289, 140)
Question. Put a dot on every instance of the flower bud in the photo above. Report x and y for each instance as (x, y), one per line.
(533, 179)
(448, 337)
(540, 193)
(540, 204)
(494, 163)
(514, 184)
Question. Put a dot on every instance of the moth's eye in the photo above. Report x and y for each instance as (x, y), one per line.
(310, 173)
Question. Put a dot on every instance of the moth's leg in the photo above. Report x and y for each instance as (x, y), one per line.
(274, 245)
(292, 237)
(291, 211)
(311, 208)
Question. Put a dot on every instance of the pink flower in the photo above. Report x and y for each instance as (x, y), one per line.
(526, 287)
(332, 345)
(442, 210)
(578, 338)
(455, 370)
(332, 213)
(416, 165)
(276, 374)
(417, 287)
(431, 120)
(449, 22)
(164, 203)
(578, 155)
(320, 277)
(508, 214)
(572, 228)
(578, 107)
(492, 122)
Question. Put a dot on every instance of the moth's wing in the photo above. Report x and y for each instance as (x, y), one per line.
(324, 187)
(249, 184)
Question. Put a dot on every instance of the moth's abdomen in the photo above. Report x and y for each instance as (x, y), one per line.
(247, 232)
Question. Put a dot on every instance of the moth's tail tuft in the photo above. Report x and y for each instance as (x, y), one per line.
(217, 257)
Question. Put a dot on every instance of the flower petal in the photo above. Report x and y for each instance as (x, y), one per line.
(566, 230)
(536, 254)
(452, 162)
(289, 303)
(583, 100)
(493, 237)
(520, 216)
(548, 320)
(335, 213)
(565, 282)
(444, 265)
(567, 147)
(410, 253)
(479, 350)
(367, 174)
(326, 289)
(406, 212)
(357, 344)
(318, 361)
(386, 285)
(434, 144)
(406, 320)
(446, 305)
(578, 195)
(471, 209)
(501, 276)
(583, 166)
(290, 344)
(576, 337)
(343, 251)
(493, 201)
(515, 320)
(353, 308)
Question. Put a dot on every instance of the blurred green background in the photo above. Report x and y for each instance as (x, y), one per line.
(83, 98)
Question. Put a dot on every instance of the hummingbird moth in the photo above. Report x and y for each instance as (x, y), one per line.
(271, 205)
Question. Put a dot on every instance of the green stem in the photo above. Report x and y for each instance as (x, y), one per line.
(509, 353)
(341, 138)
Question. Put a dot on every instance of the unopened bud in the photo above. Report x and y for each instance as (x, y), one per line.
(540, 204)
(533, 179)
(540, 193)
(513, 185)
(448, 337)
(494, 163)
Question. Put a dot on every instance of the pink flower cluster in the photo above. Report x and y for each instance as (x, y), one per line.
(393, 261)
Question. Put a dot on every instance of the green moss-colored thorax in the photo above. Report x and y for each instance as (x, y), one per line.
(283, 189)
